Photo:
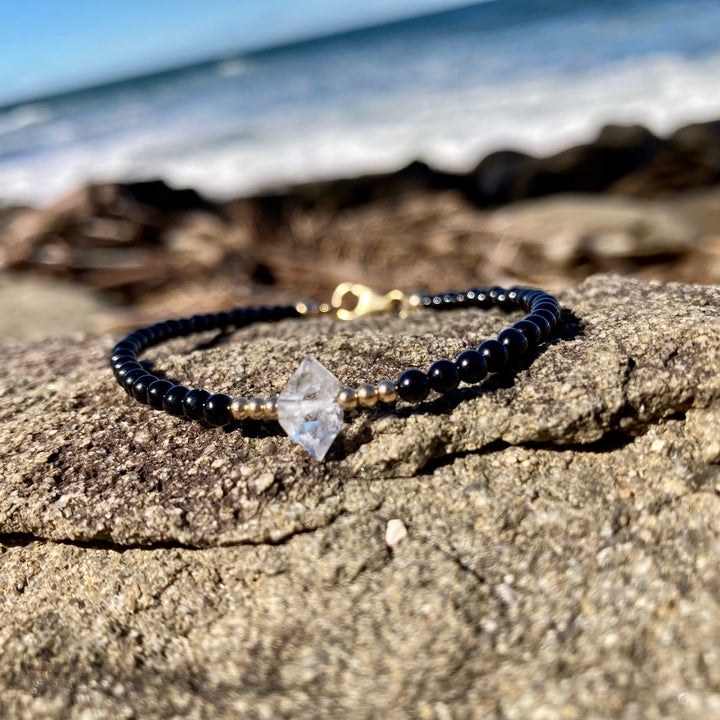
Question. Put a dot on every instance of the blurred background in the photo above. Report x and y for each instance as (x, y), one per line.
(158, 158)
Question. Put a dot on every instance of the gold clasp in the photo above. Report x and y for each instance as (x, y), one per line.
(367, 301)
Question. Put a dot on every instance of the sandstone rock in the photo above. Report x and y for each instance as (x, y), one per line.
(569, 230)
(562, 559)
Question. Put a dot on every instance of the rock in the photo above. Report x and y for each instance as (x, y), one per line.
(691, 159)
(593, 167)
(116, 236)
(34, 309)
(563, 559)
(395, 532)
(572, 230)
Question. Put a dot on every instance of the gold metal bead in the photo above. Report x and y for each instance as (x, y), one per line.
(347, 399)
(387, 392)
(255, 408)
(270, 408)
(367, 395)
(238, 408)
(307, 308)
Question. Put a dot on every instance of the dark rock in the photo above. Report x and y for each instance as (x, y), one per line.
(690, 160)
(593, 167)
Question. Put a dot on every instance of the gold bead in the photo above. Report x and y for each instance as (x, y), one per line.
(270, 408)
(307, 308)
(387, 392)
(367, 395)
(255, 408)
(238, 408)
(347, 399)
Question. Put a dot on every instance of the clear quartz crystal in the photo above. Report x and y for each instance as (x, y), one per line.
(308, 410)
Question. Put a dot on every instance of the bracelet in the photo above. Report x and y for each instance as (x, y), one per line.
(310, 408)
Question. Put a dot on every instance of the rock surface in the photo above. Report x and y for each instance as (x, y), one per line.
(562, 546)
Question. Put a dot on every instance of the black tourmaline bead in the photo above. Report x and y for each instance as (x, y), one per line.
(217, 409)
(471, 366)
(223, 320)
(117, 363)
(516, 294)
(531, 332)
(123, 366)
(147, 334)
(412, 385)
(238, 317)
(173, 400)
(548, 302)
(123, 371)
(156, 392)
(123, 353)
(193, 403)
(548, 315)
(199, 323)
(140, 387)
(531, 296)
(514, 341)
(130, 377)
(542, 323)
(495, 355)
(443, 376)
(124, 347)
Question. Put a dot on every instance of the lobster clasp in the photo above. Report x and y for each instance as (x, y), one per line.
(353, 300)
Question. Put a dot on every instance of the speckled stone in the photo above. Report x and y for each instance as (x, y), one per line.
(562, 555)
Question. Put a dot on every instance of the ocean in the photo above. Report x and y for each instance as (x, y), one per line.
(533, 75)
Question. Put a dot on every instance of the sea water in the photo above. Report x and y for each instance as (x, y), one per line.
(446, 89)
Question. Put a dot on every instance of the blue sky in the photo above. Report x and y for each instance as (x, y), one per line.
(49, 45)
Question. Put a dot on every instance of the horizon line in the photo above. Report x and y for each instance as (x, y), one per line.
(238, 54)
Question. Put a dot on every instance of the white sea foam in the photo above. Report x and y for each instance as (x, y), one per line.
(229, 140)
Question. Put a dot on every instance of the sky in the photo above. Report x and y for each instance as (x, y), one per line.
(48, 46)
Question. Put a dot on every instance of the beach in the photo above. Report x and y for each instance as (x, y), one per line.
(535, 539)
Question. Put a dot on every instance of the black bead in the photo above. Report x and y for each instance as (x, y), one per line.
(443, 376)
(471, 366)
(123, 360)
(217, 409)
(495, 355)
(147, 334)
(138, 340)
(140, 387)
(223, 320)
(238, 317)
(514, 341)
(548, 315)
(125, 369)
(123, 353)
(156, 392)
(130, 377)
(199, 323)
(549, 307)
(542, 323)
(531, 332)
(497, 295)
(412, 385)
(125, 346)
(531, 296)
(173, 400)
(124, 365)
(193, 403)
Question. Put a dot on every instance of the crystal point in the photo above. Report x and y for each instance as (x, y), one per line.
(308, 410)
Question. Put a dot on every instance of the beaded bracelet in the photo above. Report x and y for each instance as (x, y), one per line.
(310, 408)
